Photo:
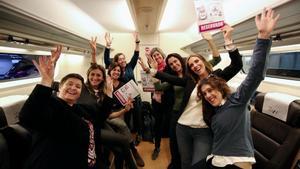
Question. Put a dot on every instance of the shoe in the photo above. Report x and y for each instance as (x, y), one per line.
(155, 153)
(138, 159)
(138, 140)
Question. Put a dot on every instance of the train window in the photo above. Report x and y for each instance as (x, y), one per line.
(17, 66)
(281, 65)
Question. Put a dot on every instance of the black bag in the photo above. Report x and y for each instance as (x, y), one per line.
(149, 122)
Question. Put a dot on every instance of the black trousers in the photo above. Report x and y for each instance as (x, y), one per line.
(161, 121)
(134, 118)
(175, 155)
(119, 145)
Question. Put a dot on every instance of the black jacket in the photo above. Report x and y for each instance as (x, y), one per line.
(60, 135)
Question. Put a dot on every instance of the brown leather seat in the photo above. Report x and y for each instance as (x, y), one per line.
(276, 142)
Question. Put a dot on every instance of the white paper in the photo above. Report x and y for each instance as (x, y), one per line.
(128, 90)
(210, 14)
(277, 105)
(147, 82)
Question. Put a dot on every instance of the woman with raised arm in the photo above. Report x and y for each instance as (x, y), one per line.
(65, 134)
(127, 75)
(193, 134)
(116, 118)
(229, 116)
(93, 92)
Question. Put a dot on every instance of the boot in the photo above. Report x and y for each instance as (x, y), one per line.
(139, 161)
(155, 153)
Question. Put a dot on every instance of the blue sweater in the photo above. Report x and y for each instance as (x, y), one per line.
(128, 73)
(231, 123)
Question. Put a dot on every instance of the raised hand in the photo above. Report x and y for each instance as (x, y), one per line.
(108, 39)
(227, 32)
(265, 23)
(93, 44)
(109, 88)
(55, 54)
(46, 66)
(136, 37)
(206, 35)
(143, 65)
(46, 70)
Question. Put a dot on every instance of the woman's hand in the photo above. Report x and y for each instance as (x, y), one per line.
(265, 23)
(227, 33)
(128, 105)
(46, 66)
(93, 45)
(143, 65)
(206, 35)
(109, 88)
(108, 39)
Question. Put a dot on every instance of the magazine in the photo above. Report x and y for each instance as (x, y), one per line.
(128, 90)
(147, 82)
(210, 14)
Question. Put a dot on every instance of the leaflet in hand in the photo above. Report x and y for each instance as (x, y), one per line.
(210, 14)
(147, 82)
(128, 90)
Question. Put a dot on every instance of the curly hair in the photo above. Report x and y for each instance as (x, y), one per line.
(215, 83)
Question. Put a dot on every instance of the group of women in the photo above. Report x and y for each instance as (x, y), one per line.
(209, 128)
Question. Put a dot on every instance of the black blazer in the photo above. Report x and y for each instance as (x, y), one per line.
(60, 134)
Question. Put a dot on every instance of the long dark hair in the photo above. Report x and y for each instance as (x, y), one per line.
(208, 66)
(100, 88)
(216, 83)
(168, 68)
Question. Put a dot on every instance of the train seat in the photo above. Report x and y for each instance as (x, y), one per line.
(275, 130)
(9, 109)
(15, 143)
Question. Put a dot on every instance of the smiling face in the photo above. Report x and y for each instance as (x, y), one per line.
(121, 61)
(70, 90)
(197, 66)
(95, 78)
(158, 57)
(213, 96)
(115, 73)
(175, 64)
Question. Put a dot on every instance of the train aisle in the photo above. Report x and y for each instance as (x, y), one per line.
(145, 149)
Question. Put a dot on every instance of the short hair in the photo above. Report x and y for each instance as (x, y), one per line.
(71, 75)
(208, 66)
(159, 50)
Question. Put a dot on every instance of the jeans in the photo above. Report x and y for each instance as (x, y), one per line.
(194, 144)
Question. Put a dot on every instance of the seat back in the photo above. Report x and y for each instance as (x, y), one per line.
(3, 121)
(9, 108)
(275, 130)
(4, 154)
(16, 144)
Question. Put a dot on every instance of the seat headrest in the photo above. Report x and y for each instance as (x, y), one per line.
(11, 105)
(280, 106)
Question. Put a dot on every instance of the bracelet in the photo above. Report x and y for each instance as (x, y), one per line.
(137, 41)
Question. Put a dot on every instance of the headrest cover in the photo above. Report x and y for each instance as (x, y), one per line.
(281, 106)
